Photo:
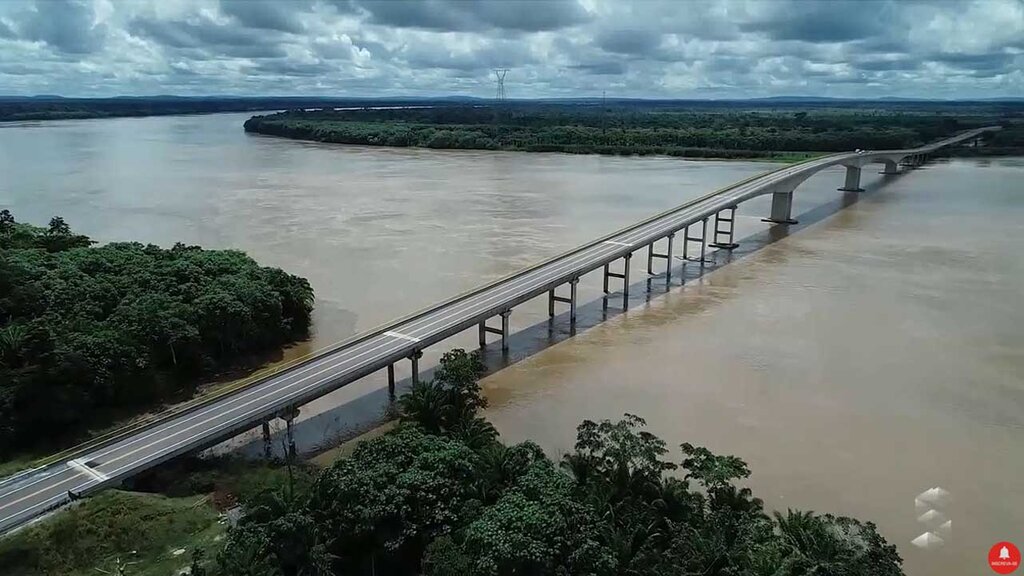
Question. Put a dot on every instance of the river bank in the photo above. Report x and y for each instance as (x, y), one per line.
(641, 129)
(381, 232)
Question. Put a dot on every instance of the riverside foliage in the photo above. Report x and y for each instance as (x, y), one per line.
(676, 131)
(441, 496)
(90, 333)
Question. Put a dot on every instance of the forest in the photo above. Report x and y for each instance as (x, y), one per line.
(90, 334)
(441, 495)
(639, 129)
(19, 109)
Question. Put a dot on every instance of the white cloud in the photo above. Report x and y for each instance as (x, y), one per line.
(653, 48)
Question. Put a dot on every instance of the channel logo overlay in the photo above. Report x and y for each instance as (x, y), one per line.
(930, 507)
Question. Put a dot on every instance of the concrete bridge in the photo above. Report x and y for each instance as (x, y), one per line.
(706, 221)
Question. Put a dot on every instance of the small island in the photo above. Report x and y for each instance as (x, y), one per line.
(90, 335)
(788, 133)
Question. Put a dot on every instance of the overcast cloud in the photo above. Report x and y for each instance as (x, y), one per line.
(554, 48)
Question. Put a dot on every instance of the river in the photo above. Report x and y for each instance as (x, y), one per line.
(873, 352)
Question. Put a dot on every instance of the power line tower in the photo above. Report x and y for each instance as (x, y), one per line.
(499, 74)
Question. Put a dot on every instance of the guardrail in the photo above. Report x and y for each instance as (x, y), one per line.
(262, 376)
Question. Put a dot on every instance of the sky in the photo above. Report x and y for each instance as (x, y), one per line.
(553, 48)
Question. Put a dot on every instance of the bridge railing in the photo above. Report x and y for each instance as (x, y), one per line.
(264, 375)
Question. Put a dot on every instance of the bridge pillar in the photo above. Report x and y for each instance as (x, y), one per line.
(571, 300)
(291, 438)
(391, 382)
(504, 329)
(651, 255)
(624, 276)
(414, 359)
(782, 206)
(268, 447)
(728, 232)
(891, 167)
(852, 180)
(703, 239)
(625, 280)
(289, 416)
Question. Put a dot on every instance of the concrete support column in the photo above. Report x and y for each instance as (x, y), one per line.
(391, 382)
(289, 417)
(625, 280)
(268, 447)
(668, 259)
(891, 168)
(650, 259)
(415, 361)
(606, 278)
(852, 180)
(782, 206)
(291, 438)
(551, 303)
(728, 232)
(572, 300)
(504, 329)
(703, 241)
(483, 334)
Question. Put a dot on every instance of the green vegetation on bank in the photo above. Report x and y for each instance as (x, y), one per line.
(90, 334)
(17, 109)
(141, 530)
(439, 495)
(674, 131)
(177, 520)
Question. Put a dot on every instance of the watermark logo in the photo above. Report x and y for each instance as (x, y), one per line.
(1003, 558)
(929, 506)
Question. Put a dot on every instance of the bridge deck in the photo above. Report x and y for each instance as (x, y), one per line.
(31, 494)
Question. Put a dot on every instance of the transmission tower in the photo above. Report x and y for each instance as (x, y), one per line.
(499, 74)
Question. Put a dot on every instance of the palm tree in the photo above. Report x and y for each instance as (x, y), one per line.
(12, 341)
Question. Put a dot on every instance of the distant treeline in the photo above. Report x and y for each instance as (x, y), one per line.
(20, 109)
(629, 130)
(90, 333)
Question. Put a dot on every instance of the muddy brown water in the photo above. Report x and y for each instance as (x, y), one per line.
(873, 352)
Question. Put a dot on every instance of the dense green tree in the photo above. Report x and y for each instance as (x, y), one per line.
(394, 495)
(450, 401)
(427, 499)
(537, 527)
(637, 129)
(90, 333)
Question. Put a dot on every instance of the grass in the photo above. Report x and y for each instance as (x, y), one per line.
(179, 509)
(143, 529)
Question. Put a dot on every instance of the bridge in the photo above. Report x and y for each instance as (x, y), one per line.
(697, 225)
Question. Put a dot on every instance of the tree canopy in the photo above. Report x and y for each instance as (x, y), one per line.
(640, 128)
(423, 499)
(89, 333)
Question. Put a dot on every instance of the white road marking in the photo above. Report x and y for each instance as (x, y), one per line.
(402, 336)
(585, 256)
(656, 226)
(81, 467)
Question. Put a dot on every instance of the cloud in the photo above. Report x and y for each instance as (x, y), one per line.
(608, 68)
(648, 48)
(265, 14)
(205, 35)
(637, 42)
(460, 15)
(66, 25)
(832, 21)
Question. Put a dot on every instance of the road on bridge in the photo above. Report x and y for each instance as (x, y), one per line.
(107, 463)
